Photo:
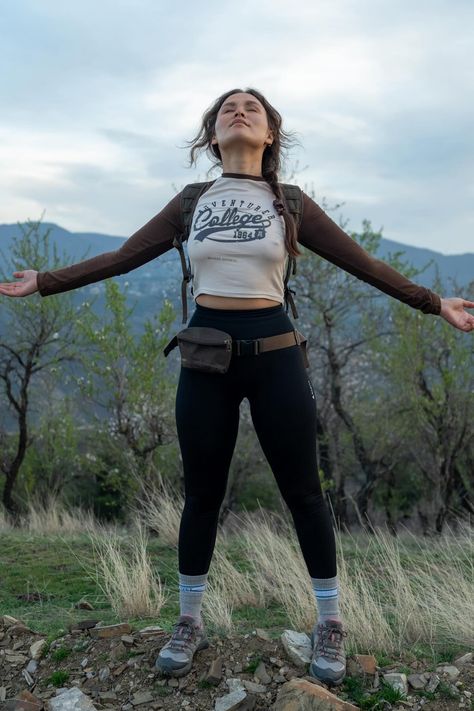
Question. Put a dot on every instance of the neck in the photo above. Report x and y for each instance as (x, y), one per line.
(249, 163)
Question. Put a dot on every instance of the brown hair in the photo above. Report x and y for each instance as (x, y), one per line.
(271, 160)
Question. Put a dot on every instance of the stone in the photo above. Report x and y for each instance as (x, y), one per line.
(21, 705)
(84, 625)
(418, 681)
(173, 682)
(465, 659)
(27, 677)
(83, 605)
(397, 682)
(367, 662)
(298, 647)
(301, 695)
(263, 634)
(433, 683)
(127, 639)
(153, 631)
(214, 675)
(448, 670)
(261, 674)
(32, 666)
(109, 631)
(106, 696)
(16, 658)
(254, 688)
(231, 701)
(71, 700)
(37, 648)
(235, 684)
(8, 621)
(142, 697)
(104, 674)
(3, 693)
(18, 629)
(118, 651)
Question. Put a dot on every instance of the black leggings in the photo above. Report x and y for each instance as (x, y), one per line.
(283, 412)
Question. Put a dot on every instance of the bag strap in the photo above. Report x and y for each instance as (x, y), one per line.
(189, 197)
(293, 197)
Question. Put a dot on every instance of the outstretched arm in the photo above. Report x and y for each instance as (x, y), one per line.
(149, 242)
(323, 236)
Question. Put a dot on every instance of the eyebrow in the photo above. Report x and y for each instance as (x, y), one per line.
(233, 103)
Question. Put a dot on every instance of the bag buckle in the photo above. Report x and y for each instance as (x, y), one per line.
(247, 347)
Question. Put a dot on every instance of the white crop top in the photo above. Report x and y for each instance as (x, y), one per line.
(236, 243)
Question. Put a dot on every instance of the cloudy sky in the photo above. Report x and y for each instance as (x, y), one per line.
(98, 97)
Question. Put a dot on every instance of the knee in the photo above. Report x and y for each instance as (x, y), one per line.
(204, 502)
(306, 502)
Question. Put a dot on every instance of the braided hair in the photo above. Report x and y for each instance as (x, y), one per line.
(271, 160)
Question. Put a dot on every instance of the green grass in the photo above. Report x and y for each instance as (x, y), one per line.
(253, 664)
(354, 689)
(61, 653)
(58, 678)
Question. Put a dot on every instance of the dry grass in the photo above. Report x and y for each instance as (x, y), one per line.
(125, 575)
(160, 510)
(227, 588)
(54, 518)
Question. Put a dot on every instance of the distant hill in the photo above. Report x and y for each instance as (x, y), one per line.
(161, 278)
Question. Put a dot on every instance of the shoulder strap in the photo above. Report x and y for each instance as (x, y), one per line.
(294, 202)
(189, 197)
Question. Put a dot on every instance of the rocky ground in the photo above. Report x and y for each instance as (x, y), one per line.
(97, 667)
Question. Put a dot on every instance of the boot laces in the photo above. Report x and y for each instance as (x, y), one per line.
(330, 641)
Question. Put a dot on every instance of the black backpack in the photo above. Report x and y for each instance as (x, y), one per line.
(191, 193)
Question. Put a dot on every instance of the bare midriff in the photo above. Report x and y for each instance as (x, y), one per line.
(233, 302)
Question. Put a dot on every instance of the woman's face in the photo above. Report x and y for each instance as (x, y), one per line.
(242, 120)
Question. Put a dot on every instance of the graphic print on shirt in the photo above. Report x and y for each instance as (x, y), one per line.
(241, 220)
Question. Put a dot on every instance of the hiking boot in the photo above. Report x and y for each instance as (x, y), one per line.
(176, 656)
(328, 661)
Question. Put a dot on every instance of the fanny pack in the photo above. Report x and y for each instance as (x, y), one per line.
(210, 350)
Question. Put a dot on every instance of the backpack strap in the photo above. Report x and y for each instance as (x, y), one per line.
(190, 195)
(293, 197)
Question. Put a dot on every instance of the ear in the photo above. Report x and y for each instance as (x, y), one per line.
(270, 138)
(214, 140)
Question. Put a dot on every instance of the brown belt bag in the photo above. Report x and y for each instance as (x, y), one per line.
(210, 350)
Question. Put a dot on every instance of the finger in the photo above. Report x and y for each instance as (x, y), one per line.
(18, 274)
(469, 304)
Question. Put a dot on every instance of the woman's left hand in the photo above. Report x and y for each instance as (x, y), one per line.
(453, 311)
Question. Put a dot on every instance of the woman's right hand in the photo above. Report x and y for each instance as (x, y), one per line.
(27, 285)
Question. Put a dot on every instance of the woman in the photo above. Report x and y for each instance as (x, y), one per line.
(240, 239)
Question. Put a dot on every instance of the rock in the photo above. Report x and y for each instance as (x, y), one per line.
(84, 625)
(8, 621)
(118, 651)
(173, 682)
(214, 675)
(433, 683)
(230, 701)
(279, 678)
(448, 670)
(235, 684)
(127, 639)
(397, 681)
(367, 662)
(418, 681)
(261, 674)
(83, 605)
(21, 705)
(142, 697)
(301, 695)
(19, 628)
(32, 666)
(15, 658)
(298, 647)
(104, 674)
(153, 631)
(71, 700)
(28, 678)
(263, 634)
(109, 631)
(465, 659)
(254, 688)
(37, 648)
(3, 693)
(106, 696)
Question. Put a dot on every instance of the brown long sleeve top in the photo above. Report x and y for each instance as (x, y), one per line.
(317, 231)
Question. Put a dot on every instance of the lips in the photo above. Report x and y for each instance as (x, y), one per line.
(234, 123)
